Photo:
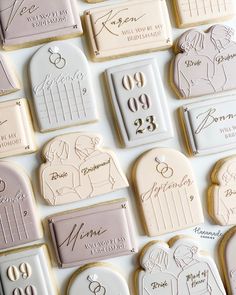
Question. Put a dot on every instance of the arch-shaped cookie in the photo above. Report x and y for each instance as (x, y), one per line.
(19, 223)
(78, 168)
(97, 278)
(166, 191)
(61, 86)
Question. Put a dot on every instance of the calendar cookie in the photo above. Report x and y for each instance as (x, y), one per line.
(166, 191)
(190, 13)
(61, 88)
(97, 278)
(139, 103)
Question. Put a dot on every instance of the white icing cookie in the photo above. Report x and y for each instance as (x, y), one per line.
(205, 62)
(167, 191)
(8, 82)
(98, 279)
(192, 13)
(180, 268)
(61, 87)
(77, 168)
(222, 192)
(228, 260)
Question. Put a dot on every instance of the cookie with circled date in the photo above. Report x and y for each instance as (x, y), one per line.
(177, 267)
(166, 191)
(97, 278)
(191, 13)
(205, 62)
(78, 168)
(222, 192)
(61, 88)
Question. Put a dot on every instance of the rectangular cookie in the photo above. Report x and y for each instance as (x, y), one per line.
(191, 13)
(209, 126)
(26, 23)
(139, 103)
(128, 28)
(92, 233)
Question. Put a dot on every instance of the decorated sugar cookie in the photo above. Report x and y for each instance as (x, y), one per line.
(61, 87)
(78, 168)
(19, 223)
(99, 279)
(167, 191)
(228, 258)
(8, 82)
(222, 192)
(177, 268)
(205, 62)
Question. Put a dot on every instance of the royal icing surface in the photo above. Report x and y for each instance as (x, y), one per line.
(16, 130)
(77, 168)
(61, 87)
(98, 278)
(92, 233)
(214, 119)
(205, 63)
(139, 103)
(8, 82)
(26, 22)
(222, 192)
(166, 191)
(192, 12)
(26, 272)
(179, 269)
(19, 223)
(127, 28)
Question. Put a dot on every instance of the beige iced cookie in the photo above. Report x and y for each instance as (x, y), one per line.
(178, 267)
(222, 192)
(228, 260)
(78, 168)
(8, 82)
(191, 13)
(166, 191)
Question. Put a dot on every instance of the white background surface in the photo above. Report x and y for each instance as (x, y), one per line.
(202, 165)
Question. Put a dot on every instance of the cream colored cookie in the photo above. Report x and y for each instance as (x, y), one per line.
(166, 191)
(78, 168)
(222, 192)
(97, 278)
(177, 267)
(190, 13)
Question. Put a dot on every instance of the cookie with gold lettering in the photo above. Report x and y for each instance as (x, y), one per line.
(227, 259)
(19, 223)
(16, 129)
(139, 103)
(26, 271)
(128, 28)
(205, 62)
(222, 192)
(191, 13)
(77, 168)
(8, 82)
(166, 191)
(62, 88)
(27, 23)
(97, 278)
(177, 267)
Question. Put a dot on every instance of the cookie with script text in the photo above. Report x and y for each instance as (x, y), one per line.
(167, 191)
(222, 192)
(77, 168)
(62, 87)
(177, 267)
(228, 258)
(205, 62)
(97, 278)
(190, 13)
